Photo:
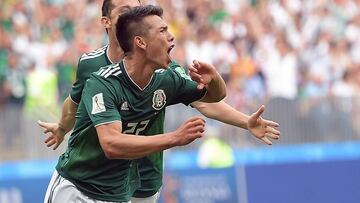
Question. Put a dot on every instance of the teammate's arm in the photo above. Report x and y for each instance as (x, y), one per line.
(57, 131)
(117, 145)
(67, 119)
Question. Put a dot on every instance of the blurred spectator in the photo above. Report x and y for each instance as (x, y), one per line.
(345, 88)
(15, 81)
(41, 92)
(318, 67)
(4, 52)
(65, 72)
(14, 89)
(214, 152)
(280, 67)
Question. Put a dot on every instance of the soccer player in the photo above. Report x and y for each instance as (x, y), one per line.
(91, 62)
(125, 100)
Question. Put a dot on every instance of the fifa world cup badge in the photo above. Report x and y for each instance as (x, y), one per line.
(98, 105)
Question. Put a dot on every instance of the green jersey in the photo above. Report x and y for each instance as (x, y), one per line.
(88, 63)
(150, 167)
(110, 95)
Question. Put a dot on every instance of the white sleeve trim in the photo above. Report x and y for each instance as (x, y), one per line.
(115, 121)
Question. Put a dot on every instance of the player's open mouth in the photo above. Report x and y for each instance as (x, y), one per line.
(170, 48)
(168, 52)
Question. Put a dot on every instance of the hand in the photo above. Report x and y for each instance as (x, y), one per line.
(190, 130)
(202, 73)
(56, 135)
(261, 128)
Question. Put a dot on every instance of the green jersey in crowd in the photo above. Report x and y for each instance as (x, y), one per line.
(110, 95)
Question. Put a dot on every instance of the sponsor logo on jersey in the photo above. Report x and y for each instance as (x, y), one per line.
(159, 99)
(98, 105)
(124, 106)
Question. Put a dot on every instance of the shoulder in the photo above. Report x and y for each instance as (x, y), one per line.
(109, 71)
(172, 68)
(168, 76)
(164, 73)
(91, 62)
(107, 75)
(86, 57)
(179, 70)
(97, 86)
(98, 81)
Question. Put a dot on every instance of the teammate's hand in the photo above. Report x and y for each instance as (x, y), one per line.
(54, 134)
(261, 128)
(202, 73)
(190, 130)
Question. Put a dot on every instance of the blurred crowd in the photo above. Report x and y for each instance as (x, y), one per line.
(269, 48)
(290, 49)
(265, 49)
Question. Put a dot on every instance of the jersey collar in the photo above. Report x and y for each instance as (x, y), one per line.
(107, 54)
(132, 82)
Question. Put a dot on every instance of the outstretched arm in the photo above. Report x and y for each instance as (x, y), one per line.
(222, 112)
(57, 131)
(117, 145)
(259, 127)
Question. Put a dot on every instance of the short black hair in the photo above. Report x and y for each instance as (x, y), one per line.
(130, 24)
(107, 6)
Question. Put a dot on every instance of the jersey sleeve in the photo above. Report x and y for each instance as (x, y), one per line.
(186, 89)
(100, 102)
(179, 69)
(81, 76)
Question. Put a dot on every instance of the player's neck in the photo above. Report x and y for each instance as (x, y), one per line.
(115, 53)
(139, 70)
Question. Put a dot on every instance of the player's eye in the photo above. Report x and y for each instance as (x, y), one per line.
(163, 29)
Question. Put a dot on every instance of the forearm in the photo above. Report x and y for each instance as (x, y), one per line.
(222, 112)
(125, 146)
(117, 145)
(133, 147)
(216, 90)
(68, 113)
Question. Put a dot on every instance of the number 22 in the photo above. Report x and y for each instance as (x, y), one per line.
(136, 128)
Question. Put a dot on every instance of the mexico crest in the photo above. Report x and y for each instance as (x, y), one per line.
(159, 99)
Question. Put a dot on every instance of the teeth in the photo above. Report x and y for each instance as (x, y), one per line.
(170, 48)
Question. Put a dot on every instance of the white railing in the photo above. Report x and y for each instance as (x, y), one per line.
(309, 121)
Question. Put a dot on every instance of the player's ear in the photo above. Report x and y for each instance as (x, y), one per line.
(106, 22)
(140, 42)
